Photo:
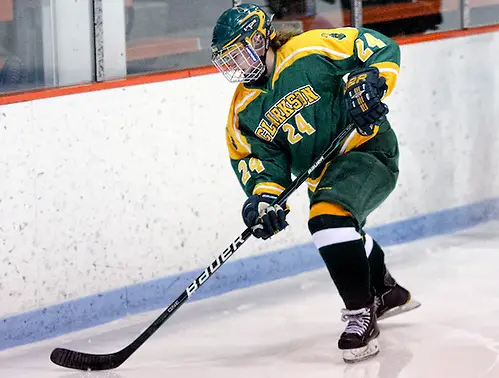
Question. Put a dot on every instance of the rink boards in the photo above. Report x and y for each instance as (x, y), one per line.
(111, 201)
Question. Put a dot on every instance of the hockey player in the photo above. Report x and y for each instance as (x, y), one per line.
(290, 103)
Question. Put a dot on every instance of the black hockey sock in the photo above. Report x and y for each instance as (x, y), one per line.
(346, 260)
(348, 266)
(380, 278)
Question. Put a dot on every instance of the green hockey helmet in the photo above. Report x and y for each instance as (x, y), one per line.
(241, 38)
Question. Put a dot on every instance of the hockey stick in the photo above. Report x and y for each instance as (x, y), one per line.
(85, 361)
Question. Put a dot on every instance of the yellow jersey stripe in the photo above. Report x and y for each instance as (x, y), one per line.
(348, 141)
(390, 72)
(312, 183)
(242, 148)
(354, 140)
(235, 152)
(305, 51)
(346, 45)
(268, 187)
(387, 66)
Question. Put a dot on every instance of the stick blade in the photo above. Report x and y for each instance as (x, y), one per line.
(85, 361)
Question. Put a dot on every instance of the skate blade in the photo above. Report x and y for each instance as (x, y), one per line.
(351, 356)
(409, 306)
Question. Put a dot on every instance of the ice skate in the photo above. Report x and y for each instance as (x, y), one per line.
(395, 300)
(359, 341)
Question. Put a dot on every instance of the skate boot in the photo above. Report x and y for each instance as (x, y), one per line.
(395, 300)
(359, 341)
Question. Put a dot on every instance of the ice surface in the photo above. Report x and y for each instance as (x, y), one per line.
(290, 327)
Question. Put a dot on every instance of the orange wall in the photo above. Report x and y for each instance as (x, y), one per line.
(6, 10)
(158, 77)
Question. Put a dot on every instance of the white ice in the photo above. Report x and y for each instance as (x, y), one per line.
(289, 328)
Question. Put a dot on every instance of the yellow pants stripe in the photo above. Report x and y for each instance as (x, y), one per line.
(326, 208)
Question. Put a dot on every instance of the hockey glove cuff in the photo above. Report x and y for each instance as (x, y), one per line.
(265, 220)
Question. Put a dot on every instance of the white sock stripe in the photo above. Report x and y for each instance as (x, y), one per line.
(334, 236)
(368, 245)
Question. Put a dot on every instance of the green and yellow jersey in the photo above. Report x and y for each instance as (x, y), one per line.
(278, 129)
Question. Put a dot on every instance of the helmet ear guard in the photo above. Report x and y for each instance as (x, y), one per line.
(271, 33)
(271, 29)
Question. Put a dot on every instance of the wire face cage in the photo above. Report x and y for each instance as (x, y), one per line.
(239, 63)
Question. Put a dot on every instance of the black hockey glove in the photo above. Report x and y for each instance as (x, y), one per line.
(363, 94)
(264, 220)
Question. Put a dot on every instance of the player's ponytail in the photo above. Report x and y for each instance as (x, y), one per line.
(284, 34)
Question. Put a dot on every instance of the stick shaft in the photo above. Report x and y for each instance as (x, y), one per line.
(86, 361)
